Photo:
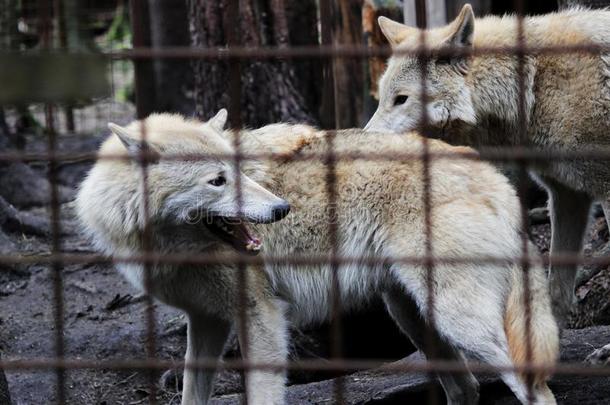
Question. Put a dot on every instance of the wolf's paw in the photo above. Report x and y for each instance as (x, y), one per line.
(600, 357)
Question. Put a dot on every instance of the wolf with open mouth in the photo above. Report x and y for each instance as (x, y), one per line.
(200, 202)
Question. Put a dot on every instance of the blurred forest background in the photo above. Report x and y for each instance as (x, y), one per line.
(288, 90)
(64, 77)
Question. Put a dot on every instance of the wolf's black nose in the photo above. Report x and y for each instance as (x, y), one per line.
(280, 211)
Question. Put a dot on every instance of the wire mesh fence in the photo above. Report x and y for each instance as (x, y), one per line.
(45, 29)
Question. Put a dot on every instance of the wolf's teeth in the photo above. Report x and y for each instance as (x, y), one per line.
(253, 246)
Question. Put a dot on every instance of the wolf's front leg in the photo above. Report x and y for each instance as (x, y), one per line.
(205, 342)
(265, 343)
(569, 211)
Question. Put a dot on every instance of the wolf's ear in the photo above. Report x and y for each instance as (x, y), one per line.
(395, 32)
(219, 121)
(135, 147)
(462, 28)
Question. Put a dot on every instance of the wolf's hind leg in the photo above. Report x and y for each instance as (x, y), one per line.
(266, 343)
(540, 393)
(206, 338)
(569, 217)
(460, 388)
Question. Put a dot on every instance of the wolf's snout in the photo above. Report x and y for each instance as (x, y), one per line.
(280, 211)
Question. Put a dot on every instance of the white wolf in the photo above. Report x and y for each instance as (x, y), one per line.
(479, 309)
(475, 101)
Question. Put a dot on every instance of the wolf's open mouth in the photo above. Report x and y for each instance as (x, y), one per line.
(234, 232)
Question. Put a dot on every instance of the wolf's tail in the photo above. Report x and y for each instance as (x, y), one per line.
(543, 330)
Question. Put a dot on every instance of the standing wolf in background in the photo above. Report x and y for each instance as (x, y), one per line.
(479, 308)
(475, 101)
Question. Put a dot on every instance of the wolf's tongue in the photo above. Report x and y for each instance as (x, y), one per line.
(252, 243)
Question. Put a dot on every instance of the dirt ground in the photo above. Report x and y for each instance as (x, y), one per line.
(104, 319)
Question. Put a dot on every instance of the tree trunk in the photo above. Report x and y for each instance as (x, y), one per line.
(173, 77)
(8, 25)
(8, 42)
(302, 19)
(348, 72)
(373, 37)
(144, 72)
(271, 91)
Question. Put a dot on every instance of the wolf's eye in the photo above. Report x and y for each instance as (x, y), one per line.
(443, 60)
(398, 100)
(218, 181)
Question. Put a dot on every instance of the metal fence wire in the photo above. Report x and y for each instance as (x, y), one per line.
(235, 54)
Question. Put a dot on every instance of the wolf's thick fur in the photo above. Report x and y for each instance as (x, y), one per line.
(475, 101)
(479, 309)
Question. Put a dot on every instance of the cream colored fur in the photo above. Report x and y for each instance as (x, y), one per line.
(474, 212)
(475, 101)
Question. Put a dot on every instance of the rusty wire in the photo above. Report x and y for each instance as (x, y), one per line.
(523, 190)
(146, 237)
(308, 259)
(341, 51)
(504, 154)
(45, 27)
(313, 365)
(234, 55)
(431, 348)
(233, 35)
